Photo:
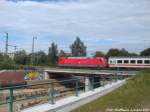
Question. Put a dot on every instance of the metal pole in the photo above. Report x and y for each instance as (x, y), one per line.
(100, 81)
(115, 77)
(11, 100)
(33, 50)
(103, 80)
(77, 87)
(117, 74)
(52, 94)
(33, 44)
(111, 79)
(15, 48)
(92, 81)
(6, 46)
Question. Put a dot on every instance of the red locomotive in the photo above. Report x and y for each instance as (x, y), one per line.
(83, 62)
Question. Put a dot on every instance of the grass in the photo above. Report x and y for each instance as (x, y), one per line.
(135, 94)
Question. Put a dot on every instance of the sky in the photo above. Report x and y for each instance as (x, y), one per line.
(101, 24)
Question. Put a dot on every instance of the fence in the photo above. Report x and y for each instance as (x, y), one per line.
(48, 92)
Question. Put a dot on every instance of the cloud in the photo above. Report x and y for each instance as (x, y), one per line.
(101, 24)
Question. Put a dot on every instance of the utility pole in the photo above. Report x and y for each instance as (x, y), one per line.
(33, 42)
(6, 46)
(15, 48)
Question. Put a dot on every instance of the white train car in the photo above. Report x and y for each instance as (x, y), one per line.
(129, 62)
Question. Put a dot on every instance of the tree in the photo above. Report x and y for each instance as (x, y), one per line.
(113, 52)
(78, 48)
(63, 54)
(21, 57)
(40, 58)
(53, 53)
(99, 54)
(7, 63)
(145, 52)
(117, 52)
(133, 54)
(124, 52)
(1, 57)
(1, 60)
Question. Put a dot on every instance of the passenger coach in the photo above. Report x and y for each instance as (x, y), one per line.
(129, 62)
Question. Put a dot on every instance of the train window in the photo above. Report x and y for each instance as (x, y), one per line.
(146, 61)
(139, 61)
(126, 61)
(132, 61)
(119, 61)
(110, 61)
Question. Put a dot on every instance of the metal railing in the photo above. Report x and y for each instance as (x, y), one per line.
(50, 93)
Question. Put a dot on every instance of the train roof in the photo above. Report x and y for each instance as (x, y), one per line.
(77, 57)
(82, 57)
(127, 57)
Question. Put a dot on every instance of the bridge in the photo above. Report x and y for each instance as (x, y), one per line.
(62, 90)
